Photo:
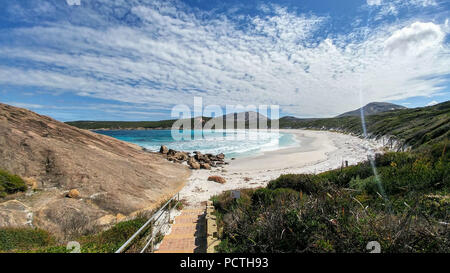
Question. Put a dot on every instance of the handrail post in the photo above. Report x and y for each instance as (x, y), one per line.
(170, 205)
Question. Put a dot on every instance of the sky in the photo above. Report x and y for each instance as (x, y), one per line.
(137, 59)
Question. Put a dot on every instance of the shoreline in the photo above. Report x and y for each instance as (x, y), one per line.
(318, 151)
(308, 148)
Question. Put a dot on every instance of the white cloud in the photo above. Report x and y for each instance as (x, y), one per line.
(175, 55)
(415, 38)
(393, 8)
(26, 105)
(431, 103)
(73, 2)
(374, 2)
(423, 3)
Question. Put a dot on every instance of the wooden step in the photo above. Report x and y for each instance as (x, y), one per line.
(186, 233)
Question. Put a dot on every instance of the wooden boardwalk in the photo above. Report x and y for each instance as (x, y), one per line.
(188, 233)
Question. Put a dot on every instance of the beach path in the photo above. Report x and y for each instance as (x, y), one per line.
(188, 234)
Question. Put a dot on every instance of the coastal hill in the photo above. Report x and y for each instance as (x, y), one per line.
(250, 119)
(247, 116)
(250, 116)
(412, 127)
(109, 178)
(373, 108)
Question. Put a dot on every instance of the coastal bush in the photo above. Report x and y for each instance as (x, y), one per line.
(404, 208)
(267, 197)
(403, 204)
(332, 222)
(300, 182)
(225, 202)
(110, 240)
(343, 176)
(24, 239)
(40, 241)
(369, 185)
(10, 184)
(399, 158)
(407, 174)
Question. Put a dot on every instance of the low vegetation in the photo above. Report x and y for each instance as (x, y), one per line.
(405, 208)
(22, 238)
(399, 199)
(107, 241)
(40, 241)
(116, 125)
(110, 240)
(10, 184)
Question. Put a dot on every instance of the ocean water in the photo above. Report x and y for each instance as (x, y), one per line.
(233, 143)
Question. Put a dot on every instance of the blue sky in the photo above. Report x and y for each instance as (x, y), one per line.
(136, 59)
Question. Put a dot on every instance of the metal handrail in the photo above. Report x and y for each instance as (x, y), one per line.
(155, 215)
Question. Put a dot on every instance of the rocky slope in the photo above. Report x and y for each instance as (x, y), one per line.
(112, 178)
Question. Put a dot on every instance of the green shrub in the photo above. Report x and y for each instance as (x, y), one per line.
(267, 196)
(2, 191)
(40, 241)
(23, 239)
(332, 222)
(10, 184)
(300, 182)
(225, 203)
(110, 240)
(399, 158)
(402, 208)
(370, 185)
(420, 176)
(342, 177)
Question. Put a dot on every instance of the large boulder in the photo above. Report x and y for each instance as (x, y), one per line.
(198, 156)
(193, 163)
(164, 149)
(73, 193)
(217, 179)
(202, 158)
(181, 156)
(205, 166)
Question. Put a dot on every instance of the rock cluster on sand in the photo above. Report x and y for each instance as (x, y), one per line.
(196, 161)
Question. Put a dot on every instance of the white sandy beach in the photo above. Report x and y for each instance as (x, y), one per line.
(318, 151)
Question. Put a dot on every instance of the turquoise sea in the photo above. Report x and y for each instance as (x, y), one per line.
(233, 143)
